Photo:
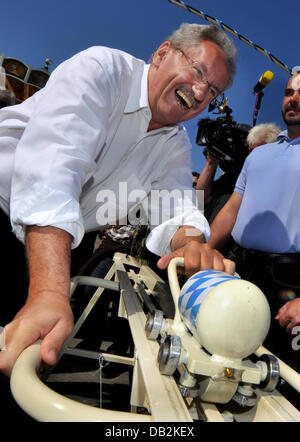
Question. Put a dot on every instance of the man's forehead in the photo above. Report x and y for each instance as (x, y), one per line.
(206, 51)
(294, 82)
(203, 46)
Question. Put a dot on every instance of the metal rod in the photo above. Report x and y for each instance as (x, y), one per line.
(95, 355)
(286, 372)
(94, 282)
(146, 298)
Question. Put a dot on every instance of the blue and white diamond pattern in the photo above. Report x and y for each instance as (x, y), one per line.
(195, 290)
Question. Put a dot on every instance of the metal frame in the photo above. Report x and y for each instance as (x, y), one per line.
(158, 393)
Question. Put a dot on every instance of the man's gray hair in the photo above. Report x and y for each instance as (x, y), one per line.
(263, 134)
(190, 34)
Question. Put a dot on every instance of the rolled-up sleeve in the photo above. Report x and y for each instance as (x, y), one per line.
(177, 204)
(56, 154)
(240, 184)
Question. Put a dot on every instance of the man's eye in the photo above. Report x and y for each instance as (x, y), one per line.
(213, 92)
(289, 92)
(198, 72)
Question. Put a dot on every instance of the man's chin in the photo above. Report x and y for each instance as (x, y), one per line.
(292, 120)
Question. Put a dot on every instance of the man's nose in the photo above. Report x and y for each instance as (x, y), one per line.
(294, 101)
(200, 90)
(295, 97)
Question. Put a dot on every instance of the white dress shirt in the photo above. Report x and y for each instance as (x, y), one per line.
(85, 133)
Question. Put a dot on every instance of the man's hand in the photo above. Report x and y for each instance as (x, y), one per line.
(47, 313)
(212, 160)
(289, 314)
(198, 257)
(44, 318)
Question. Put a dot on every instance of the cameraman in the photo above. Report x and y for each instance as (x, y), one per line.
(217, 192)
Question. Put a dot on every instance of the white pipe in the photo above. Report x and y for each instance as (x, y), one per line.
(286, 372)
(93, 281)
(174, 286)
(43, 404)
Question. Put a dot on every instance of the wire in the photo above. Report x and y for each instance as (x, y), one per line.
(226, 28)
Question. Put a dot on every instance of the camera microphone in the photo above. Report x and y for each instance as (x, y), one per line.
(264, 80)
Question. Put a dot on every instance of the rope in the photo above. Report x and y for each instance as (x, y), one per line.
(231, 31)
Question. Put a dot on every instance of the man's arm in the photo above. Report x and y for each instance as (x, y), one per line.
(189, 243)
(223, 223)
(47, 313)
(206, 179)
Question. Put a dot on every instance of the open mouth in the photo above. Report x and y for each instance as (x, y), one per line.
(184, 98)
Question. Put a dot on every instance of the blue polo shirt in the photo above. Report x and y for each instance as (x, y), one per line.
(269, 216)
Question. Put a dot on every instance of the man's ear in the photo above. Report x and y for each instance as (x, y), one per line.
(161, 52)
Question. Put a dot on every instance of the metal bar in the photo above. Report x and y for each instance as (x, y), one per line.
(94, 282)
(165, 400)
(286, 372)
(95, 355)
(81, 319)
(270, 407)
(146, 298)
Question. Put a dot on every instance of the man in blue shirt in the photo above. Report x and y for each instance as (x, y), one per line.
(262, 216)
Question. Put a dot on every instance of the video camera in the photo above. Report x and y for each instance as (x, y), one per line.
(224, 138)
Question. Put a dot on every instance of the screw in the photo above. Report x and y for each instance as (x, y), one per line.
(228, 372)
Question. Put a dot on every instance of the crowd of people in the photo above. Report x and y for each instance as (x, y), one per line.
(118, 121)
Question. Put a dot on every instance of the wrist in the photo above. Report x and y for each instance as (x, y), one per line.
(35, 293)
(184, 235)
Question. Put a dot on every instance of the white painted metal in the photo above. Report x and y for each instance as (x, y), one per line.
(286, 372)
(43, 404)
(159, 394)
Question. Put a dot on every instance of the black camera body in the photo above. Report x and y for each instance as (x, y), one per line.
(225, 139)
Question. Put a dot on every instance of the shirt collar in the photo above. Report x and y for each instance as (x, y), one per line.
(283, 136)
(138, 98)
(138, 95)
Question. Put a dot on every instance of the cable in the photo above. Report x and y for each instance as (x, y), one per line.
(231, 31)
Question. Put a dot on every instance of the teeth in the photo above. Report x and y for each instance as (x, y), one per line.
(186, 99)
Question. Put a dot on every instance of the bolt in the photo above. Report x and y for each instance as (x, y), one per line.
(228, 372)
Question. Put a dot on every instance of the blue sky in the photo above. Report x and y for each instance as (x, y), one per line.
(34, 30)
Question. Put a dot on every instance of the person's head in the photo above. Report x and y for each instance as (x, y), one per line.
(291, 106)
(262, 134)
(188, 70)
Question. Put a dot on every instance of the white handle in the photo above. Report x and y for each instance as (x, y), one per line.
(174, 286)
(43, 404)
